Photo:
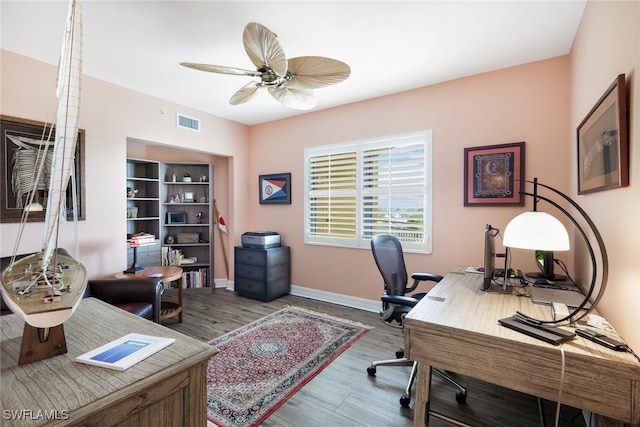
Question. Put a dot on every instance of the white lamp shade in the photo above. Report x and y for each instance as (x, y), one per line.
(536, 231)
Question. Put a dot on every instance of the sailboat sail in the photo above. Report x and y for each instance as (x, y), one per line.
(45, 288)
(68, 112)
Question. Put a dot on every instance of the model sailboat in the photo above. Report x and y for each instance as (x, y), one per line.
(45, 288)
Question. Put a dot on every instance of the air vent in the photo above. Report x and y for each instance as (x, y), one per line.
(186, 122)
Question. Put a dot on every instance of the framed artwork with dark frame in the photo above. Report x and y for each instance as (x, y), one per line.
(275, 189)
(603, 146)
(19, 146)
(494, 175)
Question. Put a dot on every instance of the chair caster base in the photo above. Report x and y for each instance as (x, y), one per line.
(405, 401)
(371, 370)
(461, 397)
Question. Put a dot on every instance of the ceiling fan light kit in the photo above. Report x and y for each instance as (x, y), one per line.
(290, 82)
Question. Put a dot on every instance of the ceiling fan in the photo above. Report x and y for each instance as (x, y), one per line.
(289, 81)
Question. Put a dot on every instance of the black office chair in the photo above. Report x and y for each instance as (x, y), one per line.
(387, 252)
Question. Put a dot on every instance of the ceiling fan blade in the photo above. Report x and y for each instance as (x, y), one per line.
(263, 48)
(220, 69)
(244, 94)
(300, 99)
(313, 72)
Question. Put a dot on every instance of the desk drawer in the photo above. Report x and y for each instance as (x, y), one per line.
(257, 257)
(254, 272)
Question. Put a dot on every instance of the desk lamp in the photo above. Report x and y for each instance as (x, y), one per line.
(135, 242)
(538, 230)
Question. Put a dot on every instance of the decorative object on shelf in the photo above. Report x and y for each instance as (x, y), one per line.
(132, 212)
(169, 239)
(131, 192)
(525, 231)
(275, 189)
(603, 146)
(203, 178)
(173, 178)
(136, 241)
(199, 215)
(185, 238)
(186, 177)
(493, 175)
(176, 217)
(188, 197)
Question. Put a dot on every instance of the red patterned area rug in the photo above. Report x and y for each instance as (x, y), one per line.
(262, 364)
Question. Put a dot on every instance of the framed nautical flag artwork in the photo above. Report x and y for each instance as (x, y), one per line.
(275, 189)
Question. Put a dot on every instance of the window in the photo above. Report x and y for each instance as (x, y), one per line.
(357, 190)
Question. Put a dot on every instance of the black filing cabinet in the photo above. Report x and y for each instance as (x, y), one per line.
(262, 274)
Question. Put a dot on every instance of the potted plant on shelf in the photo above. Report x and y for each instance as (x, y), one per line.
(186, 177)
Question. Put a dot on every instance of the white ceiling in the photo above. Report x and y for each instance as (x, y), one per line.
(391, 46)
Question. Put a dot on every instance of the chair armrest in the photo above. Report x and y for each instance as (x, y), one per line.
(127, 290)
(426, 276)
(422, 277)
(399, 300)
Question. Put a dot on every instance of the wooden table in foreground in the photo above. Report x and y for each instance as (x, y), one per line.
(168, 274)
(166, 389)
(456, 328)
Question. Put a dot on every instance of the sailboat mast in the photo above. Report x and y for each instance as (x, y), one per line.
(67, 116)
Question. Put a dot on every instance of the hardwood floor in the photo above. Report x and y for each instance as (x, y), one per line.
(343, 394)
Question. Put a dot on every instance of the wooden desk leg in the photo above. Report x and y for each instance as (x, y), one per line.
(180, 299)
(422, 399)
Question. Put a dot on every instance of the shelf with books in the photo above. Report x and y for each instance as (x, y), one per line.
(186, 192)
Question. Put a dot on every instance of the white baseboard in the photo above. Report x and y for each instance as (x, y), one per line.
(334, 298)
(222, 283)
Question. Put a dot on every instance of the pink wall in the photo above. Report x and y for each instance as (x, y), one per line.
(110, 115)
(528, 103)
(608, 44)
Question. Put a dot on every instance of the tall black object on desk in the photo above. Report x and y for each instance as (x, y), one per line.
(262, 274)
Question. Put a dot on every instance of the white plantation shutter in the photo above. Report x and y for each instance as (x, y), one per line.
(356, 191)
(332, 195)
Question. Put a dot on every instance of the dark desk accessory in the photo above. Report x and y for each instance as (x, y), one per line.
(602, 339)
(551, 334)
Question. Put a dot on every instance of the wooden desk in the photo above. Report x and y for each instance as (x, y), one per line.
(168, 274)
(166, 389)
(456, 328)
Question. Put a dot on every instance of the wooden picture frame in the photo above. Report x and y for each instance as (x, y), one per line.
(603, 145)
(494, 175)
(10, 197)
(275, 189)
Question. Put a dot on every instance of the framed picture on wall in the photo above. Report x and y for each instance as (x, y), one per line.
(603, 146)
(493, 175)
(275, 189)
(22, 143)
